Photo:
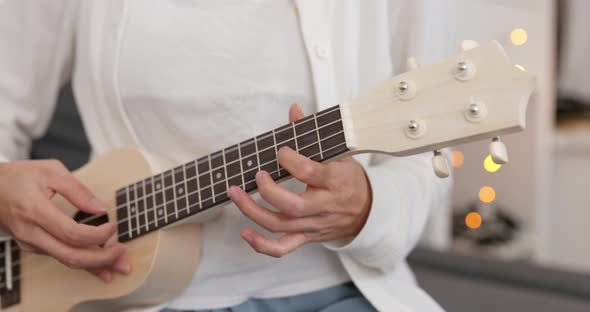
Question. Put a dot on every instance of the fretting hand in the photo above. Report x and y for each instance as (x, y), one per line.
(334, 206)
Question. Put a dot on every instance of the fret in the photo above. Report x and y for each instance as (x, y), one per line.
(132, 209)
(122, 227)
(169, 204)
(219, 176)
(158, 199)
(249, 164)
(139, 202)
(204, 181)
(149, 204)
(242, 185)
(211, 179)
(257, 154)
(267, 154)
(129, 229)
(225, 171)
(192, 183)
(295, 137)
(181, 191)
(278, 170)
(233, 170)
(317, 131)
(284, 137)
(175, 186)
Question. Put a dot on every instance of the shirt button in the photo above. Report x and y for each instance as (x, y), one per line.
(322, 52)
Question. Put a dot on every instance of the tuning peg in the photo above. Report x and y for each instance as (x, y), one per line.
(468, 45)
(498, 151)
(411, 63)
(440, 165)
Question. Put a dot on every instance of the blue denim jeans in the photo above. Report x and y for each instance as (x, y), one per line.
(341, 298)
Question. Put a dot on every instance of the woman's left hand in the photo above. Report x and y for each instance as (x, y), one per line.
(335, 205)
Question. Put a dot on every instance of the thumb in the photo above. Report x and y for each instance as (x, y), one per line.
(295, 113)
(64, 183)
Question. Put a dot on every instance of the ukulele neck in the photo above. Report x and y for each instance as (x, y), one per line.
(202, 184)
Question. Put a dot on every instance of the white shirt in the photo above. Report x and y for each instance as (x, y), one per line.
(222, 88)
(349, 46)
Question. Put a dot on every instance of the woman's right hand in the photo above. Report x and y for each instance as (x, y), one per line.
(26, 212)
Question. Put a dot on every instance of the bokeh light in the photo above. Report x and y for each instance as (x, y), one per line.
(489, 165)
(457, 158)
(487, 194)
(473, 220)
(520, 67)
(518, 36)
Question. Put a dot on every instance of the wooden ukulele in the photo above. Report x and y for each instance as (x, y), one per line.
(477, 94)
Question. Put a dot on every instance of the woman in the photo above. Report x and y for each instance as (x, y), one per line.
(191, 77)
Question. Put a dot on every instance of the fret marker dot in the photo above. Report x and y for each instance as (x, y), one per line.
(180, 191)
(218, 175)
(160, 212)
(132, 209)
(249, 163)
(158, 186)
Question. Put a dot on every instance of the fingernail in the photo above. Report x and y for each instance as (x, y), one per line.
(122, 267)
(106, 276)
(247, 238)
(261, 176)
(233, 193)
(97, 205)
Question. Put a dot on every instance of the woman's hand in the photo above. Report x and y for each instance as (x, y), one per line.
(27, 213)
(335, 205)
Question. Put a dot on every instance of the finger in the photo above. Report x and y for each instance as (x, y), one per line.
(63, 182)
(295, 113)
(79, 258)
(64, 228)
(302, 168)
(287, 202)
(270, 220)
(274, 247)
(104, 274)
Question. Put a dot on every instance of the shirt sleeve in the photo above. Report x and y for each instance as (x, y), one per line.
(404, 192)
(405, 189)
(36, 52)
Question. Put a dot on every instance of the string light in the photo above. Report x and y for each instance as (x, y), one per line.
(457, 158)
(487, 194)
(518, 36)
(489, 165)
(473, 220)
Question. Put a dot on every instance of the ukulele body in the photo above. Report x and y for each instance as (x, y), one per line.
(163, 262)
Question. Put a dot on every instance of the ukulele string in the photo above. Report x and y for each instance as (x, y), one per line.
(246, 182)
(153, 209)
(136, 244)
(210, 171)
(51, 262)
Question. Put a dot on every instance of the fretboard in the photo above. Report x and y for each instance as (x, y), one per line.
(194, 187)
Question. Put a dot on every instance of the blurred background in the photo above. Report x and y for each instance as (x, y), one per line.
(516, 236)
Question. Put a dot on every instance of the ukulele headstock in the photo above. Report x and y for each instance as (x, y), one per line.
(475, 95)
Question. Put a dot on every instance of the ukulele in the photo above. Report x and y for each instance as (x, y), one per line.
(477, 94)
